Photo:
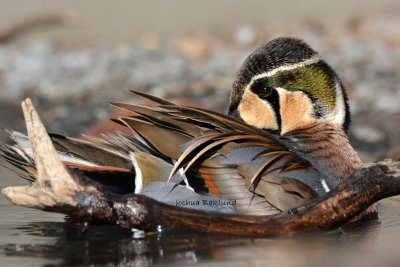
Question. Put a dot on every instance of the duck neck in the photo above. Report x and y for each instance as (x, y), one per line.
(327, 148)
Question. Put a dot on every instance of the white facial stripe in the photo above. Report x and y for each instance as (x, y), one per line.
(338, 115)
(286, 67)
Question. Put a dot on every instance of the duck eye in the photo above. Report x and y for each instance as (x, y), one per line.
(261, 88)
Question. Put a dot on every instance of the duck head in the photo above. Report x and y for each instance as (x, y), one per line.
(284, 85)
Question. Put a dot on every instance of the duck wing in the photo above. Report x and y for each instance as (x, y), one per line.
(226, 157)
(213, 154)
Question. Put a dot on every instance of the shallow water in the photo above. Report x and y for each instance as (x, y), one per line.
(36, 238)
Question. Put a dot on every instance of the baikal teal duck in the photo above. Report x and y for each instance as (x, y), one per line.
(279, 163)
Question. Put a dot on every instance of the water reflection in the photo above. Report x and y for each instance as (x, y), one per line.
(107, 245)
(41, 238)
(111, 245)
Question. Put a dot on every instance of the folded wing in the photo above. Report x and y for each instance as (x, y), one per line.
(212, 153)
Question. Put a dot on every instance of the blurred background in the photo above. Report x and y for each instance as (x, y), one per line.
(72, 57)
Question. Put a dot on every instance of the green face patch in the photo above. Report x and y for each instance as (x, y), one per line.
(316, 80)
